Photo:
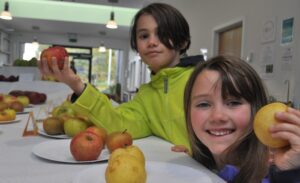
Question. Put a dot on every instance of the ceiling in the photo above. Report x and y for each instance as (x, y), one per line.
(44, 26)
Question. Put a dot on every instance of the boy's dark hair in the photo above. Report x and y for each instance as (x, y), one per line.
(173, 29)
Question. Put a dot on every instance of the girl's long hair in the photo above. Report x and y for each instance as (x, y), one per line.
(240, 80)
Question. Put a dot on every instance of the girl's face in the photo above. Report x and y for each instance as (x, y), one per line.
(151, 50)
(217, 122)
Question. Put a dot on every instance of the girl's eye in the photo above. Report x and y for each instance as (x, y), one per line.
(202, 105)
(234, 103)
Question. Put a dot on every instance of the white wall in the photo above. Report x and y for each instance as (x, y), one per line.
(205, 15)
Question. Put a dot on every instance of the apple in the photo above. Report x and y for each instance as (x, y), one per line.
(73, 126)
(58, 52)
(7, 115)
(86, 146)
(9, 99)
(24, 100)
(101, 132)
(3, 105)
(17, 106)
(63, 110)
(53, 126)
(118, 139)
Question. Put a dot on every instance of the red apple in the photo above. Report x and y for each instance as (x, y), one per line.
(17, 106)
(86, 146)
(101, 132)
(58, 52)
(3, 106)
(118, 139)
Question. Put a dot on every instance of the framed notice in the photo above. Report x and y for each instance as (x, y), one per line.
(287, 30)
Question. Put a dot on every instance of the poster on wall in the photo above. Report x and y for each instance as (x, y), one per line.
(267, 59)
(268, 31)
(287, 30)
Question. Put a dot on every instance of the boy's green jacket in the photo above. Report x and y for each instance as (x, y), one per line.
(157, 108)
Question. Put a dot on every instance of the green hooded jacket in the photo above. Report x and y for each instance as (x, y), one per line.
(157, 108)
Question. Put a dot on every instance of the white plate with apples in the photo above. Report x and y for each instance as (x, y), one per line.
(43, 133)
(59, 151)
(158, 172)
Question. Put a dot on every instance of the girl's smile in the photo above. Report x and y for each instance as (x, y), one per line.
(217, 122)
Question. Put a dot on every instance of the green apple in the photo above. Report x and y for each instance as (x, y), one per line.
(73, 126)
(24, 100)
(63, 110)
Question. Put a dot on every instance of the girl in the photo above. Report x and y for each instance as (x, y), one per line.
(221, 98)
(160, 34)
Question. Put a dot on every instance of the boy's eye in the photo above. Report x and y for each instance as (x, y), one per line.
(143, 36)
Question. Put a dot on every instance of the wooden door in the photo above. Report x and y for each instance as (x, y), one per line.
(230, 41)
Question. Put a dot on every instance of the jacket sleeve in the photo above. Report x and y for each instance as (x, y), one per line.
(100, 111)
(290, 176)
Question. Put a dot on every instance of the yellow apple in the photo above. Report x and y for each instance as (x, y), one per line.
(7, 115)
(24, 100)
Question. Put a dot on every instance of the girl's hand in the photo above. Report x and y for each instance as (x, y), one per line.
(288, 157)
(180, 148)
(66, 75)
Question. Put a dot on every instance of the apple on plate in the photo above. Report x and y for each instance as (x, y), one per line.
(63, 110)
(118, 139)
(3, 105)
(24, 100)
(7, 115)
(58, 52)
(73, 126)
(53, 126)
(86, 146)
(101, 132)
(17, 106)
(9, 99)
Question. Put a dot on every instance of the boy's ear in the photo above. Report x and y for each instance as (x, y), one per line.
(184, 45)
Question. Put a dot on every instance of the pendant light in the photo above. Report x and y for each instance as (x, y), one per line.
(102, 48)
(112, 24)
(5, 13)
(35, 42)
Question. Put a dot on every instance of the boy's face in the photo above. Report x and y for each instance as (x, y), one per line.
(217, 122)
(151, 50)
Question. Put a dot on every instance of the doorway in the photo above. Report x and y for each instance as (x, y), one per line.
(228, 39)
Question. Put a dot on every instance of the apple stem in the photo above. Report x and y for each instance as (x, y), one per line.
(124, 131)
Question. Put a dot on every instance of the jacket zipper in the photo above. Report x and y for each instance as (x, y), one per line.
(166, 85)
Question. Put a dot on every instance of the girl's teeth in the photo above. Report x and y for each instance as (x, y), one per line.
(220, 133)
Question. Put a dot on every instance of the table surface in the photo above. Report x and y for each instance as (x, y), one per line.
(19, 165)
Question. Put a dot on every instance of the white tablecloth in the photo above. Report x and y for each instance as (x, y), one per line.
(19, 165)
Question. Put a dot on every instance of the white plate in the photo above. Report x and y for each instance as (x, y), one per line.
(43, 133)
(157, 172)
(59, 151)
(25, 111)
(11, 121)
(61, 136)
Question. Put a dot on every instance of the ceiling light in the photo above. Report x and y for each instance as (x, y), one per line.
(112, 24)
(102, 48)
(35, 42)
(5, 13)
